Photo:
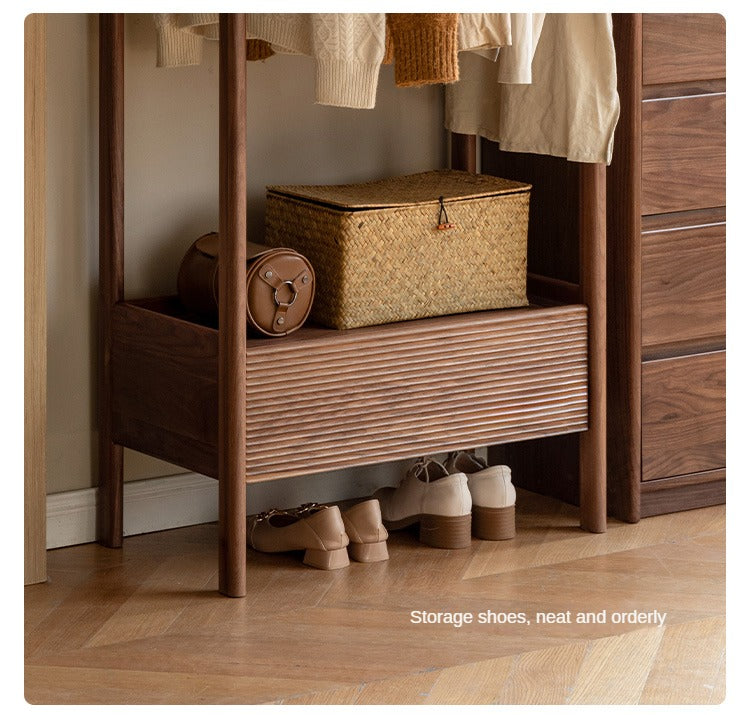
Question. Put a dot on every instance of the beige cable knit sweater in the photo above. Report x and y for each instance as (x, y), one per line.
(347, 47)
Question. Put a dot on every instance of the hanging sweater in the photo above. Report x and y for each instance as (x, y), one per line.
(425, 47)
(347, 47)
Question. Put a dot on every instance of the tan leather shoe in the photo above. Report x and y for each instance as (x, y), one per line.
(319, 530)
(493, 496)
(439, 501)
(367, 535)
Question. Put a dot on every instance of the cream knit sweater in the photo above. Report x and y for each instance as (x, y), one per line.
(347, 47)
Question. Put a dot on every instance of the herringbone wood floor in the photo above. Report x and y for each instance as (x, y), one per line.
(145, 625)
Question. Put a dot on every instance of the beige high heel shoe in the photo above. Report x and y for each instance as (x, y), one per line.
(367, 535)
(319, 530)
(438, 501)
(493, 496)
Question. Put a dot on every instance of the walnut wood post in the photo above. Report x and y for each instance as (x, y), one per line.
(593, 282)
(232, 302)
(624, 279)
(111, 235)
(464, 152)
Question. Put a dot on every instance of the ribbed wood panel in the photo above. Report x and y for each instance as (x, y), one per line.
(333, 399)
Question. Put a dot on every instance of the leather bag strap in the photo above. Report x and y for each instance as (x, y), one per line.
(269, 276)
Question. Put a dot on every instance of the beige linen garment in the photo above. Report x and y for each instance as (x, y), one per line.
(484, 32)
(569, 108)
(515, 59)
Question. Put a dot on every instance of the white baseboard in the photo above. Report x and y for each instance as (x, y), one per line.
(148, 505)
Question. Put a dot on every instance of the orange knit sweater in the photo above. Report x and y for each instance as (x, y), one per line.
(424, 47)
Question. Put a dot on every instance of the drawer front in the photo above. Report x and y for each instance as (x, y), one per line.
(374, 395)
(683, 47)
(683, 153)
(683, 284)
(683, 415)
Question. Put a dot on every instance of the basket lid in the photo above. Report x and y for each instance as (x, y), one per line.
(410, 190)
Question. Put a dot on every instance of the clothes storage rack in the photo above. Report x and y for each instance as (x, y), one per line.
(249, 409)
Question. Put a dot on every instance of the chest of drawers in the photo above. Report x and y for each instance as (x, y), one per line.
(666, 267)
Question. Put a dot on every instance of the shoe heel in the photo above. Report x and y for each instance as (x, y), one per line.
(368, 553)
(445, 532)
(493, 524)
(326, 560)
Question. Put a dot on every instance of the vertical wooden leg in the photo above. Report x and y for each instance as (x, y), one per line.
(111, 260)
(593, 443)
(109, 505)
(464, 152)
(232, 304)
(624, 278)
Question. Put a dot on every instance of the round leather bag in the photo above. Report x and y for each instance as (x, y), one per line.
(280, 285)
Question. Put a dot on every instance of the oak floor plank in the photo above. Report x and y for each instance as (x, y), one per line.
(412, 689)
(95, 686)
(687, 668)
(615, 669)
(544, 677)
(471, 684)
(158, 602)
(720, 684)
(338, 696)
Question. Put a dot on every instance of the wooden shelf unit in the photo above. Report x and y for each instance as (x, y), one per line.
(247, 409)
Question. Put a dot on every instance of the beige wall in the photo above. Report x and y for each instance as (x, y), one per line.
(171, 170)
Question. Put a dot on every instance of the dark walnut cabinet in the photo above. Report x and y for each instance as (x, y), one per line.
(666, 272)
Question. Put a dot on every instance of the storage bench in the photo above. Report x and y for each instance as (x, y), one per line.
(322, 399)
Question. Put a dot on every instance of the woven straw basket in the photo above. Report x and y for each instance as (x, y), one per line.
(381, 255)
